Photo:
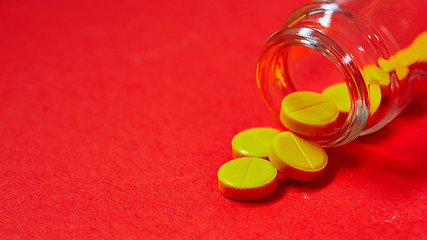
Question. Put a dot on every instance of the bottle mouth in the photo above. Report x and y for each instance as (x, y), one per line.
(284, 66)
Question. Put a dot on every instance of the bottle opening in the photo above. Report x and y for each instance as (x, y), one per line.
(300, 60)
(309, 70)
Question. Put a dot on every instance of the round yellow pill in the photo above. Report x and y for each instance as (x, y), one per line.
(402, 71)
(416, 52)
(298, 158)
(247, 178)
(309, 113)
(253, 142)
(374, 98)
(374, 74)
(387, 65)
(339, 94)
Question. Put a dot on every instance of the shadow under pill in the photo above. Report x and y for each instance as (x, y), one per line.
(275, 196)
(337, 159)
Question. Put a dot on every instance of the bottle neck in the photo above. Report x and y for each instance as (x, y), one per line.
(341, 39)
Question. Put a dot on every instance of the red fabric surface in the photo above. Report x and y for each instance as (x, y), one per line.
(115, 117)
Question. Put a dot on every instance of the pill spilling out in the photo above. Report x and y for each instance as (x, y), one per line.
(252, 177)
(298, 158)
(262, 154)
(247, 178)
(253, 142)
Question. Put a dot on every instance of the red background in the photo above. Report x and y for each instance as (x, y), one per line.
(115, 117)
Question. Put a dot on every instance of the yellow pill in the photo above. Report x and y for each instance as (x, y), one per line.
(420, 43)
(253, 142)
(392, 64)
(402, 71)
(374, 74)
(298, 158)
(387, 65)
(374, 91)
(309, 113)
(339, 94)
(416, 52)
(247, 178)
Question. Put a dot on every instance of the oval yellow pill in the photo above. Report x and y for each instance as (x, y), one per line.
(298, 158)
(247, 178)
(309, 113)
(253, 142)
(339, 94)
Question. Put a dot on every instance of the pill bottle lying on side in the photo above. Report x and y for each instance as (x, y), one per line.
(370, 57)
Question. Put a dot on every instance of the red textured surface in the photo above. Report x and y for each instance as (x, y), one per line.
(115, 117)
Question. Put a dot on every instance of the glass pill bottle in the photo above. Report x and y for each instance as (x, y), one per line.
(373, 51)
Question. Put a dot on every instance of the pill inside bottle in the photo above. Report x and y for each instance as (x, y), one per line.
(305, 70)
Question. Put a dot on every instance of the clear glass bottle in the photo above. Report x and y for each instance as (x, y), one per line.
(351, 41)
